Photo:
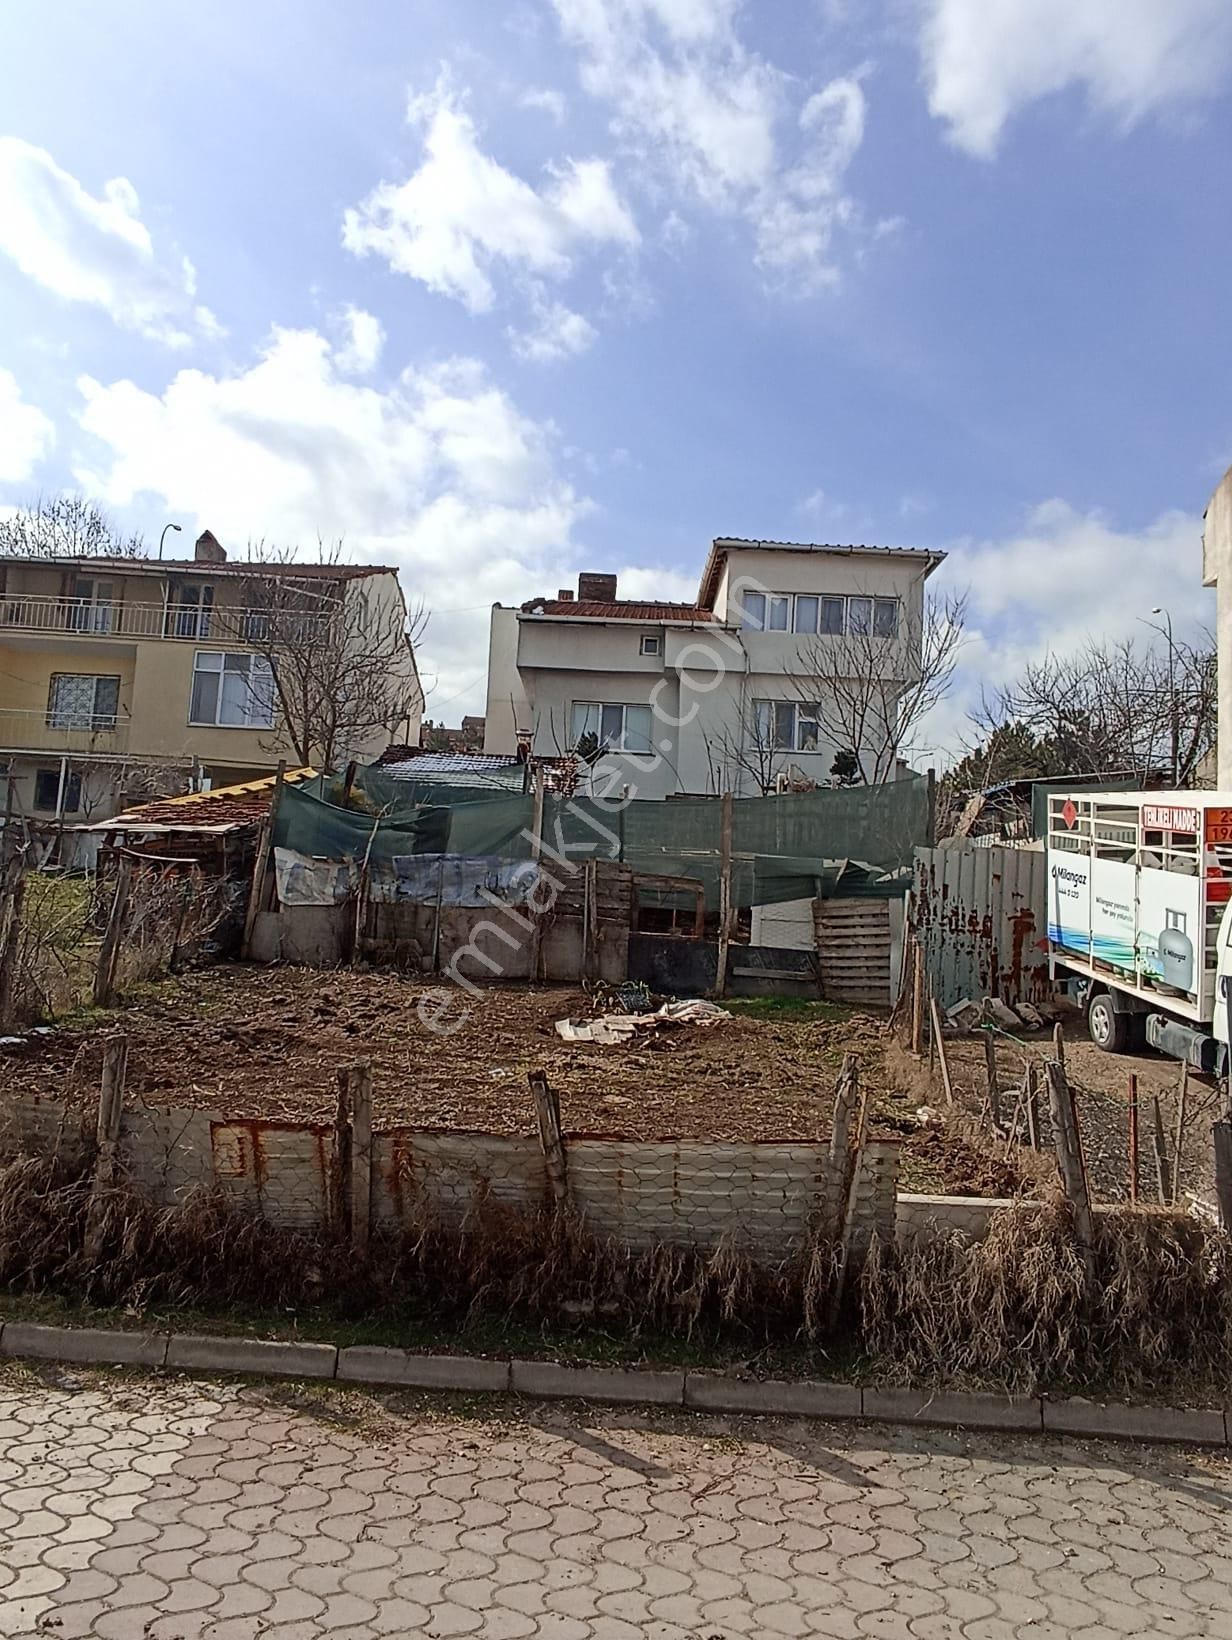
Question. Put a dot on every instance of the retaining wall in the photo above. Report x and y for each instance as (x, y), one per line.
(763, 1196)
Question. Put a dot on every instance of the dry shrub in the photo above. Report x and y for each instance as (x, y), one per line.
(1014, 1310)
(174, 915)
(540, 1267)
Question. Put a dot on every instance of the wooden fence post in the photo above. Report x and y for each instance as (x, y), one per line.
(107, 1134)
(1223, 1172)
(990, 1071)
(109, 951)
(917, 999)
(360, 1086)
(1133, 1139)
(1182, 1101)
(1163, 1174)
(939, 1044)
(12, 892)
(536, 854)
(339, 1195)
(1031, 1094)
(725, 888)
(1069, 1160)
(846, 1099)
(260, 865)
(1058, 1044)
(850, 1203)
(551, 1138)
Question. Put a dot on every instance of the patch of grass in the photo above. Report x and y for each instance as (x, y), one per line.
(788, 1010)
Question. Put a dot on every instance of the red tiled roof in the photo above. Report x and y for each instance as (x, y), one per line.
(622, 609)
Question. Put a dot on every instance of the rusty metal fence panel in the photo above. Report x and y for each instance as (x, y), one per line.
(980, 915)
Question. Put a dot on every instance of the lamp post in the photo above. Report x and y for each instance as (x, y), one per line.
(1174, 719)
(163, 536)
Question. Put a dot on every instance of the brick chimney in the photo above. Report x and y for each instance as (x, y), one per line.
(565, 595)
(209, 550)
(597, 588)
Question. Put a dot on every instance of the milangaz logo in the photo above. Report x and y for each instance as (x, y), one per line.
(1068, 876)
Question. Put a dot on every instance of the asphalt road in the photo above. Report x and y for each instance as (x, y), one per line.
(176, 1510)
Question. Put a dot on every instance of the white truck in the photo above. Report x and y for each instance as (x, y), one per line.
(1140, 909)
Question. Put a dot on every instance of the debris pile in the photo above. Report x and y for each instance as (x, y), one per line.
(607, 1029)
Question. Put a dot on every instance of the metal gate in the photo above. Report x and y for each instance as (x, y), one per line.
(980, 916)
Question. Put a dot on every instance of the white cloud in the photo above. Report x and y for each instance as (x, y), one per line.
(723, 124)
(440, 475)
(26, 434)
(984, 60)
(1066, 577)
(544, 101)
(558, 333)
(655, 584)
(94, 250)
(461, 212)
(365, 334)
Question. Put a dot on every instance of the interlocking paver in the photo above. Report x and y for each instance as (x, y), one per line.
(189, 1511)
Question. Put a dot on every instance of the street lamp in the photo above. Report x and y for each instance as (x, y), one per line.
(163, 536)
(1174, 719)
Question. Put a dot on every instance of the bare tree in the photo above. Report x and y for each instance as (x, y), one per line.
(868, 689)
(66, 526)
(339, 669)
(748, 749)
(1117, 708)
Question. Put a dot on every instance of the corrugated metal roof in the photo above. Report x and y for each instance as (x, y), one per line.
(722, 544)
(205, 569)
(458, 769)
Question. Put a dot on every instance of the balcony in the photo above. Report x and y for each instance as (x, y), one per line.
(81, 618)
(63, 733)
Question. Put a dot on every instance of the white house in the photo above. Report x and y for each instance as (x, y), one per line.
(791, 654)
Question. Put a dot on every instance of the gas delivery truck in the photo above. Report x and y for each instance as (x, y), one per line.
(1140, 910)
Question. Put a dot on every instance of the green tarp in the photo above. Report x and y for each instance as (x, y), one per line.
(854, 840)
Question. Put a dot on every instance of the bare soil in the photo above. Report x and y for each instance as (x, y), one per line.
(1101, 1084)
(266, 1043)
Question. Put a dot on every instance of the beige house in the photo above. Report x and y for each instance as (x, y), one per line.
(745, 688)
(124, 676)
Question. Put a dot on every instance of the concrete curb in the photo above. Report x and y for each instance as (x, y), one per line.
(630, 1386)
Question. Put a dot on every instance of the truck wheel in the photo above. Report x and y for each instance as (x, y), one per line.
(1109, 1029)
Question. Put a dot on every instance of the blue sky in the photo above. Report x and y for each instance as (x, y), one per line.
(498, 292)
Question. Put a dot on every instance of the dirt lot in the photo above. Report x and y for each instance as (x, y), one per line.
(266, 1042)
(1101, 1084)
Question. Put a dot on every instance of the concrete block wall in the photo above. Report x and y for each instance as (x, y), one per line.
(45, 1127)
(764, 1196)
(450, 1173)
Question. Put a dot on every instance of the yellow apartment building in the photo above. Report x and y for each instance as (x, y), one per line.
(123, 676)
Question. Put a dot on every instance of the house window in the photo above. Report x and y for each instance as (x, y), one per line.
(753, 606)
(786, 726)
(859, 617)
(650, 643)
(189, 615)
(47, 792)
(231, 691)
(79, 700)
(833, 617)
(90, 606)
(806, 614)
(885, 617)
(611, 727)
(777, 610)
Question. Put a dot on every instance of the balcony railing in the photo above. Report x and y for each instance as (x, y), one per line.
(81, 618)
(63, 732)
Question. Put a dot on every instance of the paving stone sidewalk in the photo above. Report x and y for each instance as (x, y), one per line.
(173, 1510)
